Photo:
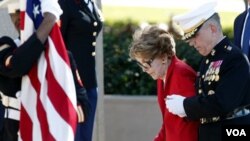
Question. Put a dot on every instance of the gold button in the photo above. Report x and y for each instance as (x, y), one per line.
(95, 23)
(203, 76)
(93, 53)
(94, 44)
(213, 77)
(207, 61)
(211, 92)
(217, 78)
(94, 33)
(213, 52)
(200, 91)
(225, 46)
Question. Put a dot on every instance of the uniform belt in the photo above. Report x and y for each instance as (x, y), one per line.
(236, 114)
(10, 101)
(12, 114)
(209, 120)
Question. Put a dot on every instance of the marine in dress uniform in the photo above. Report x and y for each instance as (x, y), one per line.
(81, 23)
(223, 79)
(16, 61)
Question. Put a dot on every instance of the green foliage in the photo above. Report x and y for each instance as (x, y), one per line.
(188, 54)
(121, 74)
(229, 33)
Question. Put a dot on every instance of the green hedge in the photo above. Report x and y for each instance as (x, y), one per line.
(121, 75)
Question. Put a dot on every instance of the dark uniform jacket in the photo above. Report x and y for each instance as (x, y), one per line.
(10, 77)
(238, 27)
(223, 86)
(80, 28)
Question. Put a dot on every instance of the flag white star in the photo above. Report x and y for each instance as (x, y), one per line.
(36, 10)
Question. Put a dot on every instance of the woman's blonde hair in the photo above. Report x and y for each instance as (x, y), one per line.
(152, 41)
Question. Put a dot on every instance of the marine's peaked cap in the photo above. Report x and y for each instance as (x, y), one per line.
(12, 5)
(191, 21)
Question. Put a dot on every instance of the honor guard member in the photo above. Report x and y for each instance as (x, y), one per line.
(81, 22)
(9, 105)
(223, 79)
(17, 60)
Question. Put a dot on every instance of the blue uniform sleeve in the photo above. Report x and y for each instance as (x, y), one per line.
(23, 57)
(81, 92)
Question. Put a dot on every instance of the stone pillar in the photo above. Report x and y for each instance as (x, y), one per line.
(99, 133)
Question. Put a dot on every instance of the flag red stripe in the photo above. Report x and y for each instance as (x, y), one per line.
(64, 108)
(59, 44)
(42, 116)
(25, 126)
(41, 113)
(52, 98)
(22, 19)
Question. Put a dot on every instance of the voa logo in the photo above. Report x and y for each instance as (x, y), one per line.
(236, 132)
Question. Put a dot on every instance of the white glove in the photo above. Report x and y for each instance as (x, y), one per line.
(52, 7)
(174, 104)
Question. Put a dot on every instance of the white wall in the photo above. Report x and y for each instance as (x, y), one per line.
(131, 118)
(7, 28)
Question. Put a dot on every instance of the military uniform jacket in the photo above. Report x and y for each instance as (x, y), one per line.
(222, 83)
(80, 28)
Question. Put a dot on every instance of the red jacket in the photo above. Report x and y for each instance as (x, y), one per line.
(180, 79)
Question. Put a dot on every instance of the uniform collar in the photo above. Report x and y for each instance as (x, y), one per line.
(222, 45)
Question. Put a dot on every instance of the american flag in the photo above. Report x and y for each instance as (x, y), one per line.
(48, 96)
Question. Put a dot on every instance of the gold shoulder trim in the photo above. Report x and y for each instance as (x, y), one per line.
(195, 26)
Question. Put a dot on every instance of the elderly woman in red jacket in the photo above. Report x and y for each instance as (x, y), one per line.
(154, 50)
